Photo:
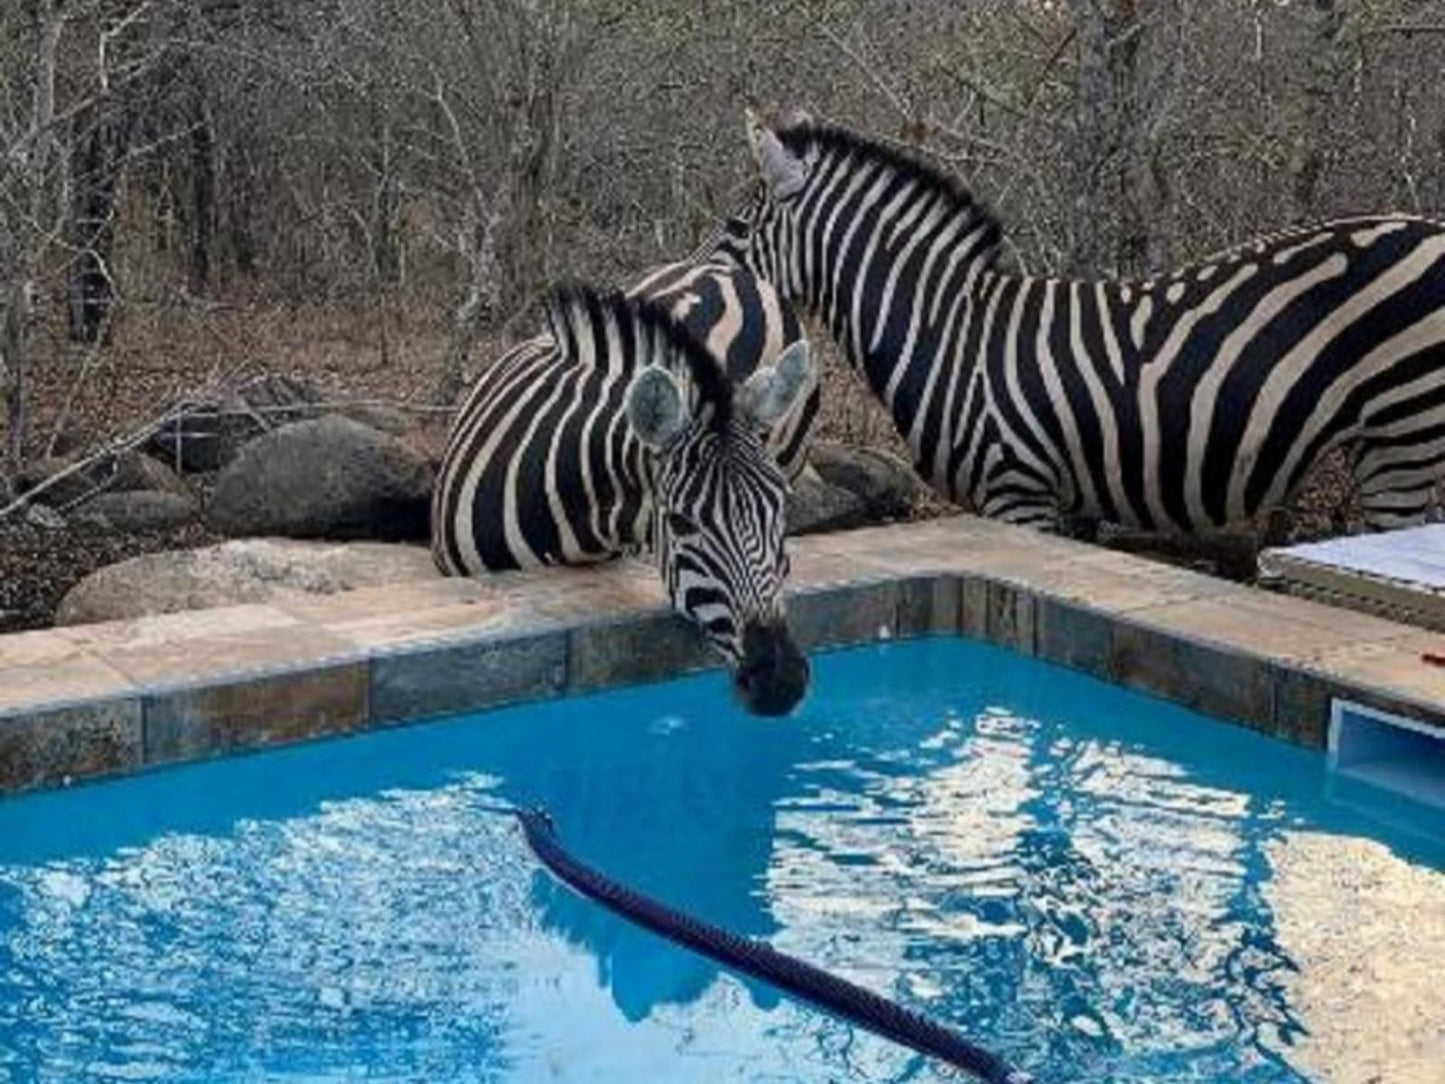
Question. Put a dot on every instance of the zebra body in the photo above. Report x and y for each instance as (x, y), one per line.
(1186, 402)
(541, 468)
(668, 424)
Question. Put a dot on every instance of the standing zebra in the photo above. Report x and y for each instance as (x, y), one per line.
(621, 431)
(1181, 403)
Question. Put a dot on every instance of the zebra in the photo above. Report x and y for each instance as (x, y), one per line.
(620, 431)
(1179, 404)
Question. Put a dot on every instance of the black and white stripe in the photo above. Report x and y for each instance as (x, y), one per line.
(1190, 401)
(574, 448)
(540, 468)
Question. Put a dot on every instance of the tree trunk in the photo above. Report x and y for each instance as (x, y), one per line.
(1109, 230)
(23, 250)
(12, 369)
(385, 210)
(94, 178)
(241, 207)
(528, 165)
(476, 308)
(203, 200)
(1313, 145)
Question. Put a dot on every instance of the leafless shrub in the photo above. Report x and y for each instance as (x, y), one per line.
(378, 189)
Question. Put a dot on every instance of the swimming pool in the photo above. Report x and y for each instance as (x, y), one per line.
(1096, 884)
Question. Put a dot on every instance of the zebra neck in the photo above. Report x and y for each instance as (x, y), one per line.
(903, 323)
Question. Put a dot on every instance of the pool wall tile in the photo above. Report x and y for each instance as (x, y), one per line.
(269, 709)
(1302, 706)
(1073, 636)
(857, 613)
(1205, 677)
(929, 604)
(649, 648)
(973, 607)
(999, 612)
(443, 679)
(72, 742)
(1010, 620)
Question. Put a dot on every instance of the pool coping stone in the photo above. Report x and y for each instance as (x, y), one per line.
(95, 700)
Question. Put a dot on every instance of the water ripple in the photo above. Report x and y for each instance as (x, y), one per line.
(1103, 887)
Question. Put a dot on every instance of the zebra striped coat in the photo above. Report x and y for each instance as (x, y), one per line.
(539, 467)
(671, 424)
(1190, 401)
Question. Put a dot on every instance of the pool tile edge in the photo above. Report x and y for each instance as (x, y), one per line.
(1112, 616)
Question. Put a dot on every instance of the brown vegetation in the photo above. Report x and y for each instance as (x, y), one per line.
(372, 193)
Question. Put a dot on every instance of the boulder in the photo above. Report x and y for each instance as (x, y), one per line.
(815, 505)
(328, 478)
(63, 492)
(379, 416)
(132, 471)
(236, 572)
(885, 484)
(120, 472)
(138, 510)
(211, 432)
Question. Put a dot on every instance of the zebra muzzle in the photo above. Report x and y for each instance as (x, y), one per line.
(773, 674)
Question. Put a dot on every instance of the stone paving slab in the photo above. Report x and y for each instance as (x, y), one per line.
(110, 698)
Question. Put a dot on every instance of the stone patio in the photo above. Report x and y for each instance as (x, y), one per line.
(110, 698)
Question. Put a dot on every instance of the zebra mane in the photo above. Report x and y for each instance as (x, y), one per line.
(808, 136)
(578, 313)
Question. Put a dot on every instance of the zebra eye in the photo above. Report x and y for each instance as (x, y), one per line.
(679, 524)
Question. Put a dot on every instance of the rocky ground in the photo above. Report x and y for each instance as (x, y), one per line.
(38, 565)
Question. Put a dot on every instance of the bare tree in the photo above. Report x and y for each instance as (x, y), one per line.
(32, 210)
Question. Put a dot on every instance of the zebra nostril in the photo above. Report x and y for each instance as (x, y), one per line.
(773, 674)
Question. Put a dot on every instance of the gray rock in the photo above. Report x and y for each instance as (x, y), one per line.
(814, 505)
(63, 492)
(329, 478)
(44, 517)
(236, 572)
(211, 432)
(132, 471)
(385, 419)
(885, 484)
(121, 472)
(138, 510)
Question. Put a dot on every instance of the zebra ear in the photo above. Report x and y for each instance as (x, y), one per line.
(656, 407)
(768, 395)
(797, 118)
(782, 170)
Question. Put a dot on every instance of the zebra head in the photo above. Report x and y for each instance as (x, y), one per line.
(718, 497)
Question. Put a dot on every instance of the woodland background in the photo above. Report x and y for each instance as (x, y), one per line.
(373, 193)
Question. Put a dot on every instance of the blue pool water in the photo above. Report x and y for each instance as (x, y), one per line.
(1100, 886)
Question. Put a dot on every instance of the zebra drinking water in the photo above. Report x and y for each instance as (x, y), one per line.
(619, 432)
(1195, 400)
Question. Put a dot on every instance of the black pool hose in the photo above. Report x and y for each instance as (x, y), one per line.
(762, 961)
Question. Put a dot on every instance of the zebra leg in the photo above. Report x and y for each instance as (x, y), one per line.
(1080, 528)
(1019, 493)
(1039, 511)
(1397, 478)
